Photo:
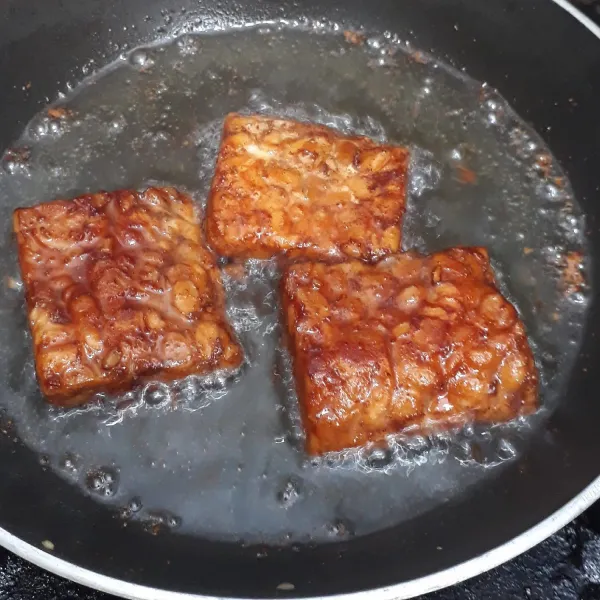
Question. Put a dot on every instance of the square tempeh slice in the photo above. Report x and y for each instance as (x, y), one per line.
(411, 342)
(288, 188)
(120, 286)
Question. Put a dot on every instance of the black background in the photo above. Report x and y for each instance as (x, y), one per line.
(564, 567)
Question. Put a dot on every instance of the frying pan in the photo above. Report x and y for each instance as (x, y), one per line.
(546, 63)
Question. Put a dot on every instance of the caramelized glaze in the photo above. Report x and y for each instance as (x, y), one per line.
(411, 341)
(119, 286)
(284, 187)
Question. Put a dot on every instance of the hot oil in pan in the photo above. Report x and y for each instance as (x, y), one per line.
(222, 458)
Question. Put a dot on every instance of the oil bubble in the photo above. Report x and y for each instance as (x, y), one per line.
(492, 104)
(39, 127)
(16, 160)
(379, 458)
(156, 395)
(290, 493)
(382, 61)
(12, 167)
(493, 118)
(135, 504)
(188, 45)
(117, 125)
(340, 528)
(375, 43)
(456, 154)
(578, 298)
(531, 146)
(173, 521)
(551, 192)
(506, 449)
(47, 126)
(57, 126)
(141, 59)
(160, 136)
(102, 481)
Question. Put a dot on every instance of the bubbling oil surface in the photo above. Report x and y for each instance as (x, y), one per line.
(222, 457)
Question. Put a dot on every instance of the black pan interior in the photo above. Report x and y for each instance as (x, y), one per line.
(537, 73)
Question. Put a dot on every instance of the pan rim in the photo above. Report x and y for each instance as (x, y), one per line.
(401, 591)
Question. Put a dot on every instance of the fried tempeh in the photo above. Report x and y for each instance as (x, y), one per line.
(299, 189)
(119, 287)
(411, 342)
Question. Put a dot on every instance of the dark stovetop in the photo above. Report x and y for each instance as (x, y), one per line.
(564, 567)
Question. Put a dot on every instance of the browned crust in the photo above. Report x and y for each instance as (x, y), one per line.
(299, 189)
(120, 286)
(411, 342)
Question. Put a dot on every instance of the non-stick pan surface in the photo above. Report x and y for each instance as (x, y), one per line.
(545, 64)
